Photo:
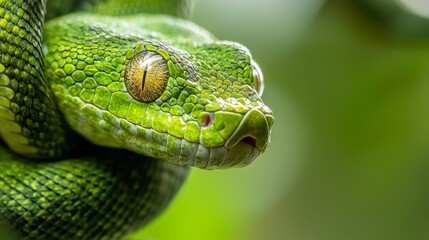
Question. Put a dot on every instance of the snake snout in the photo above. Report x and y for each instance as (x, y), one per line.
(254, 130)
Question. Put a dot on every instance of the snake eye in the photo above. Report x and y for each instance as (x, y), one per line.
(258, 78)
(146, 76)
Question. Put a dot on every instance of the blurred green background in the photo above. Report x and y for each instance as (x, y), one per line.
(348, 82)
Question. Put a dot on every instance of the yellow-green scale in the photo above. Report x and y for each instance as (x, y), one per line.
(31, 124)
(206, 113)
(206, 79)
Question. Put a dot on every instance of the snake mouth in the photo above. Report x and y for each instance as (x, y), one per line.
(242, 139)
(226, 140)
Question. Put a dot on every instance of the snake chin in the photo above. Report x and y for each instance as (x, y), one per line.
(222, 157)
(190, 154)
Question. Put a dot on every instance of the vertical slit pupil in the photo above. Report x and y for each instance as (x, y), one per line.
(144, 77)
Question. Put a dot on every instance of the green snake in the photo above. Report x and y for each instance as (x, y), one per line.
(104, 108)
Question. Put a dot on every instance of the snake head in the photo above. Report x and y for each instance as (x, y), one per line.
(161, 87)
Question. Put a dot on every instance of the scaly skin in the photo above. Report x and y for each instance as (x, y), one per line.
(105, 195)
(157, 86)
(31, 124)
(208, 80)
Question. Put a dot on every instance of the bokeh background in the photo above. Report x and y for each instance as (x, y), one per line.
(348, 82)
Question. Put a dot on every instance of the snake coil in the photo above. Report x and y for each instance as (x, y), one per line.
(101, 120)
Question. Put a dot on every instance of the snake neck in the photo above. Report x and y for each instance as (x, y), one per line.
(30, 122)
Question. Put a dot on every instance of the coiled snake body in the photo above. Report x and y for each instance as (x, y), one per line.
(101, 119)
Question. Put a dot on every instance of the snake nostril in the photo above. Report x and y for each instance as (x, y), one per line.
(249, 140)
(253, 130)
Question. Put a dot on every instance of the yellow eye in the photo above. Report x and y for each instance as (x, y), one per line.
(258, 78)
(146, 76)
